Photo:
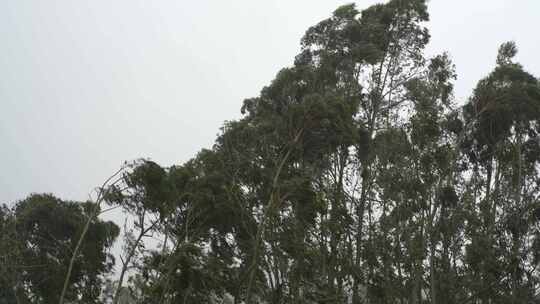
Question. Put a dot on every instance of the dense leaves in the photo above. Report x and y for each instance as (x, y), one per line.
(41, 232)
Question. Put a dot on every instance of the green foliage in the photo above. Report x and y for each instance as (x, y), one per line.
(47, 230)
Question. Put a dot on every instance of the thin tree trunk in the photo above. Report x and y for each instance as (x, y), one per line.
(432, 274)
(130, 255)
(260, 228)
(91, 217)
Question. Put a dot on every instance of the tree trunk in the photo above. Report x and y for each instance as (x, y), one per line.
(91, 217)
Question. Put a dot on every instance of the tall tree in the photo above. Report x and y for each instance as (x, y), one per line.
(47, 231)
(502, 147)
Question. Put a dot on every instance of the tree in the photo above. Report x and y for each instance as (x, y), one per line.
(10, 259)
(47, 231)
(503, 112)
(93, 214)
(144, 193)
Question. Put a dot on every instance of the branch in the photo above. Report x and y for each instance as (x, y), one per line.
(94, 213)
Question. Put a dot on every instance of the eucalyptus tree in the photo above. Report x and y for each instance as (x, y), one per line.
(207, 232)
(143, 192)
(502, 146)
(371, 55)
(11, 263)
(196, 261)
(435, 217)
(296, 123)
(44, 231)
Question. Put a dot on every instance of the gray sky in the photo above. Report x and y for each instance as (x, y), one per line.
(86, 85)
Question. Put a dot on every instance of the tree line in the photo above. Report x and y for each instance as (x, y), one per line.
(354, 177)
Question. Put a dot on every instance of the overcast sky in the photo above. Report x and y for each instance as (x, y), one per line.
(86, 85)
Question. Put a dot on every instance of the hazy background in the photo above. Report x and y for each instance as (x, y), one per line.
(86, 85)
